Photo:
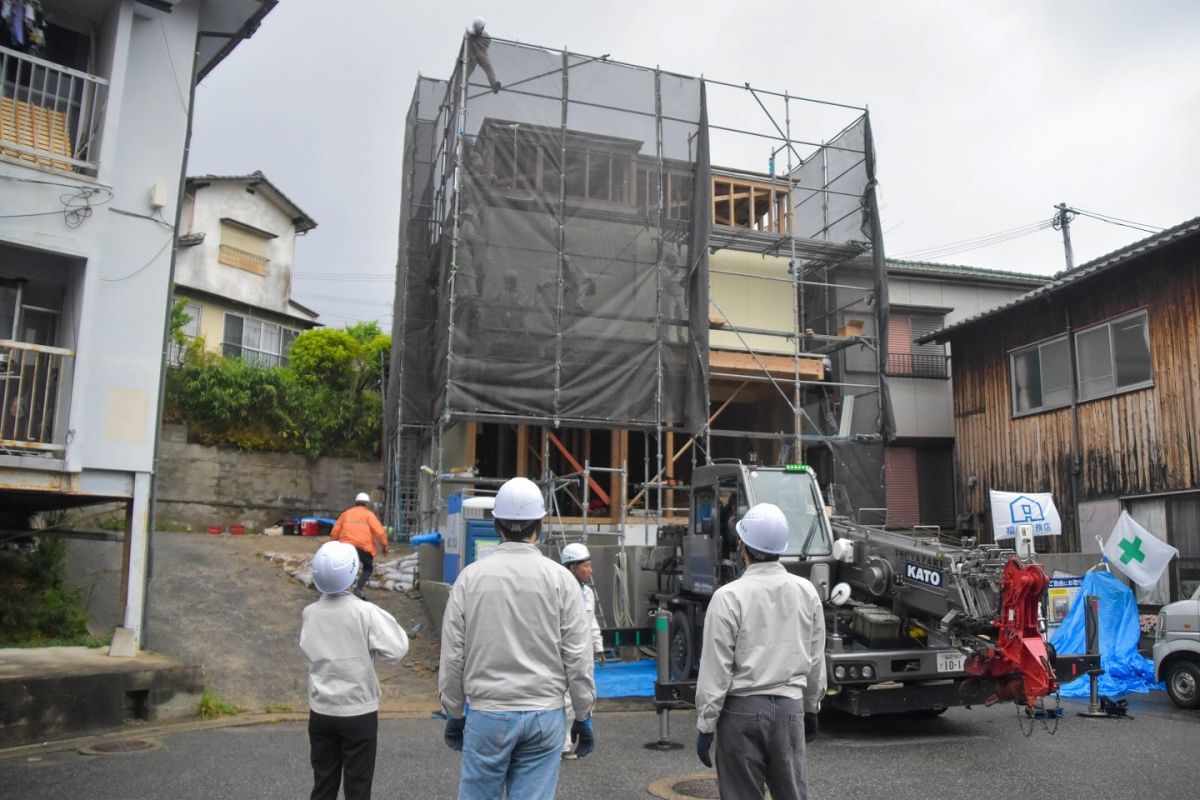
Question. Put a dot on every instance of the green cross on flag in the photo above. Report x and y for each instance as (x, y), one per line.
(1136, 552)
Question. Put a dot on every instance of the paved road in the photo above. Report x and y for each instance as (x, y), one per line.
(978, 754)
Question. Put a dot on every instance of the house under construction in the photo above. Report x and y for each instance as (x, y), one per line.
(609, 273)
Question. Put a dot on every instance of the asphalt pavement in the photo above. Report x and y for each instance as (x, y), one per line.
(979, 753)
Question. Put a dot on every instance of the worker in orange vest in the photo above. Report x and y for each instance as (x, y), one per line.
(360, 527)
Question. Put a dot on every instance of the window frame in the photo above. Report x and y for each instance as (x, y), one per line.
(1108, 326)
(1012, 373)
(260, 357)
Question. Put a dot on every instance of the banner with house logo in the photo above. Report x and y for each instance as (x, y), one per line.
(1135, 551)
(1012, 509)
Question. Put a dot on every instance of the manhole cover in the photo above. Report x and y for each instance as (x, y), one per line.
(121, 746)
(704, 787)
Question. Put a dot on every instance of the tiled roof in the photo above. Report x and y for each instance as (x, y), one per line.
(302, 221)
(900, 266)
(1071, 277)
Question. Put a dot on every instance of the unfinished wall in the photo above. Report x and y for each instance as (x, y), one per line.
(200, 486)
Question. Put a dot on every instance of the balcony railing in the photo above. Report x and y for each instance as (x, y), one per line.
(32, 376)
(917, 365)
(50, 115)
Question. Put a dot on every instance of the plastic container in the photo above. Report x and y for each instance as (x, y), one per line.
(213, 530)
(291, 528)
(310, 527)
(237, 530)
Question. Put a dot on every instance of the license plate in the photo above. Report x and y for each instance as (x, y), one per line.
(951, 662)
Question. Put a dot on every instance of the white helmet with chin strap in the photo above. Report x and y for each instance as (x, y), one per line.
(764, 528)
(335, 567)
(575, 553)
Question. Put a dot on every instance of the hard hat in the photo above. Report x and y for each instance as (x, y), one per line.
(478, 24)
(362, 497)
(335, 567)
(764, 528)
(575, 553)
(519, 499)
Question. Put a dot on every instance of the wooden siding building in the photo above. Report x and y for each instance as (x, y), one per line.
(1086, 388)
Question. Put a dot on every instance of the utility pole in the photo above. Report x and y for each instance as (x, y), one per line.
(1062, 221)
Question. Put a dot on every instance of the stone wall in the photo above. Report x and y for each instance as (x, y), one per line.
(200, 486)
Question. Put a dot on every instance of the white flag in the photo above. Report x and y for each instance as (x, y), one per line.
(1136, 552)
(1013, 509)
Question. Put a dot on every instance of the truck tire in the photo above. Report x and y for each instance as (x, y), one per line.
(1183, 683)
(682, 650)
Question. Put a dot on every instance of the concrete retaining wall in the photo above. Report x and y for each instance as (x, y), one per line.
(201, 486)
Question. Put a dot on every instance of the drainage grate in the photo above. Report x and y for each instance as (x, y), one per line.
(704, 787)
(120, 747)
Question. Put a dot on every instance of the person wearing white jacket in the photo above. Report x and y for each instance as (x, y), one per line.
(578, 561)
(340, 634)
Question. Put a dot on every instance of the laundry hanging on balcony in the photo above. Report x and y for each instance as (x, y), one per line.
(24, 26)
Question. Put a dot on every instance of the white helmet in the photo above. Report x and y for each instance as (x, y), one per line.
(519, 499)
(362, 497)
(335, 567)
(764, 528)
(575, 553)
(478, 24)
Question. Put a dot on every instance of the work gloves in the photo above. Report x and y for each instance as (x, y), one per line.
(582, 737)
(810, 726)
(703, 746)
(454, 733)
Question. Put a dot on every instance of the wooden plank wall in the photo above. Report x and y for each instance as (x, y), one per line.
(1141, 442)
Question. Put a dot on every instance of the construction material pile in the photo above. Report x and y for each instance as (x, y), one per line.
(395, 575)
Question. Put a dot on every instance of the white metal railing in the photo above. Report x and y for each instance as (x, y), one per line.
(50, 114)
(33, 377)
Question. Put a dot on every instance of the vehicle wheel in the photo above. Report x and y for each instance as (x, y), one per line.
(1183, 683)
(682, 653)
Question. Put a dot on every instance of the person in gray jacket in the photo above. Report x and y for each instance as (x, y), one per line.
(340, 634)
(762, 668)
(514, 642)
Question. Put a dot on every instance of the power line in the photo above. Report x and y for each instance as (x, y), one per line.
(1137, 226)
(987, 240)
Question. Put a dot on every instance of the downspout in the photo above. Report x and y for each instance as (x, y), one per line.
(1076, 437)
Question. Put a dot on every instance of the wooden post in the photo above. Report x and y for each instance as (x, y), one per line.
(523, 450)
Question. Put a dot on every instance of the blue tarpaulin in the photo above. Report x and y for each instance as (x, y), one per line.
(626, 679)
(1125, 670)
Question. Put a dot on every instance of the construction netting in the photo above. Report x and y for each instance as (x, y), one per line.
(557, 267)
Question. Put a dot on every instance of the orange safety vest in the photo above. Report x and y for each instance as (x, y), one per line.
(360, 527)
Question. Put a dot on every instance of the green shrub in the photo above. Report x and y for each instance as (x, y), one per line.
(212, 706)
(36, 609)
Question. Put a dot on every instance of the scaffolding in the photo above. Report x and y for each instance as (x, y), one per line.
(562, 222)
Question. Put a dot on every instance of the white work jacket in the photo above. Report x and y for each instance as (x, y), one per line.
(340, 633)
(514, 637)
(764, 634)
(588, 598)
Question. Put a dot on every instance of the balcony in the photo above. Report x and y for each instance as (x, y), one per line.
(917, 365)
(32, 376)
(50, 115)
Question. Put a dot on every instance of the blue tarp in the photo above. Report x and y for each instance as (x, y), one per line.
(1125, 670)
(626, 679)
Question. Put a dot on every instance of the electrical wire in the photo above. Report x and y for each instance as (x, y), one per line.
(988, 240)
(1137, 226)
(153, 258)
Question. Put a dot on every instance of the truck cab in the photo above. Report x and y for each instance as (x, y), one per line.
(1177, 650)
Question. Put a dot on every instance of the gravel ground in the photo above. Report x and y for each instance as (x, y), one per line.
(215, 601)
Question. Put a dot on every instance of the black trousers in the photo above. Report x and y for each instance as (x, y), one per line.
(760, 745)
(342, 750)
(368, 565)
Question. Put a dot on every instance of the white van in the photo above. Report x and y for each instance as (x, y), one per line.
(1177, 651)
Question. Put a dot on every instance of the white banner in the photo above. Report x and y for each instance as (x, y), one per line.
(1136, 552)
(1011, 509)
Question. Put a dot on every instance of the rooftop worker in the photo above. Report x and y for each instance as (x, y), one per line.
(478, 43)
(514, 641)
(340, 635)
(359, 526)
(578, 561)
(762, 668)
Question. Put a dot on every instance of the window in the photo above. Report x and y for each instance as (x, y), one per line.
(1041, 377)
(191, 329)
(263, 344)
(906, 358)
(1114, 356)
(748, 204)
(244, 247)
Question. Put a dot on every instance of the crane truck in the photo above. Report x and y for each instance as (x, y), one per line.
(913, 625)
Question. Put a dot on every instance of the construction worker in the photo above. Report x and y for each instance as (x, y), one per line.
(359, 526)
(340, 635)
(762, 668)
(578, 561)
(514, 641)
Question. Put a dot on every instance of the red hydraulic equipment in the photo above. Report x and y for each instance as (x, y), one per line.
(1017, 666)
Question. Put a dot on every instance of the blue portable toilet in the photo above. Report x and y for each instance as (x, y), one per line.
(454, 537)
(481, 536)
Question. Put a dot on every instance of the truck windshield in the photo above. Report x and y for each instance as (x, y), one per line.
(794, 493)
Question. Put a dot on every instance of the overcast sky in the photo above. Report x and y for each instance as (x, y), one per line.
(986, 113)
